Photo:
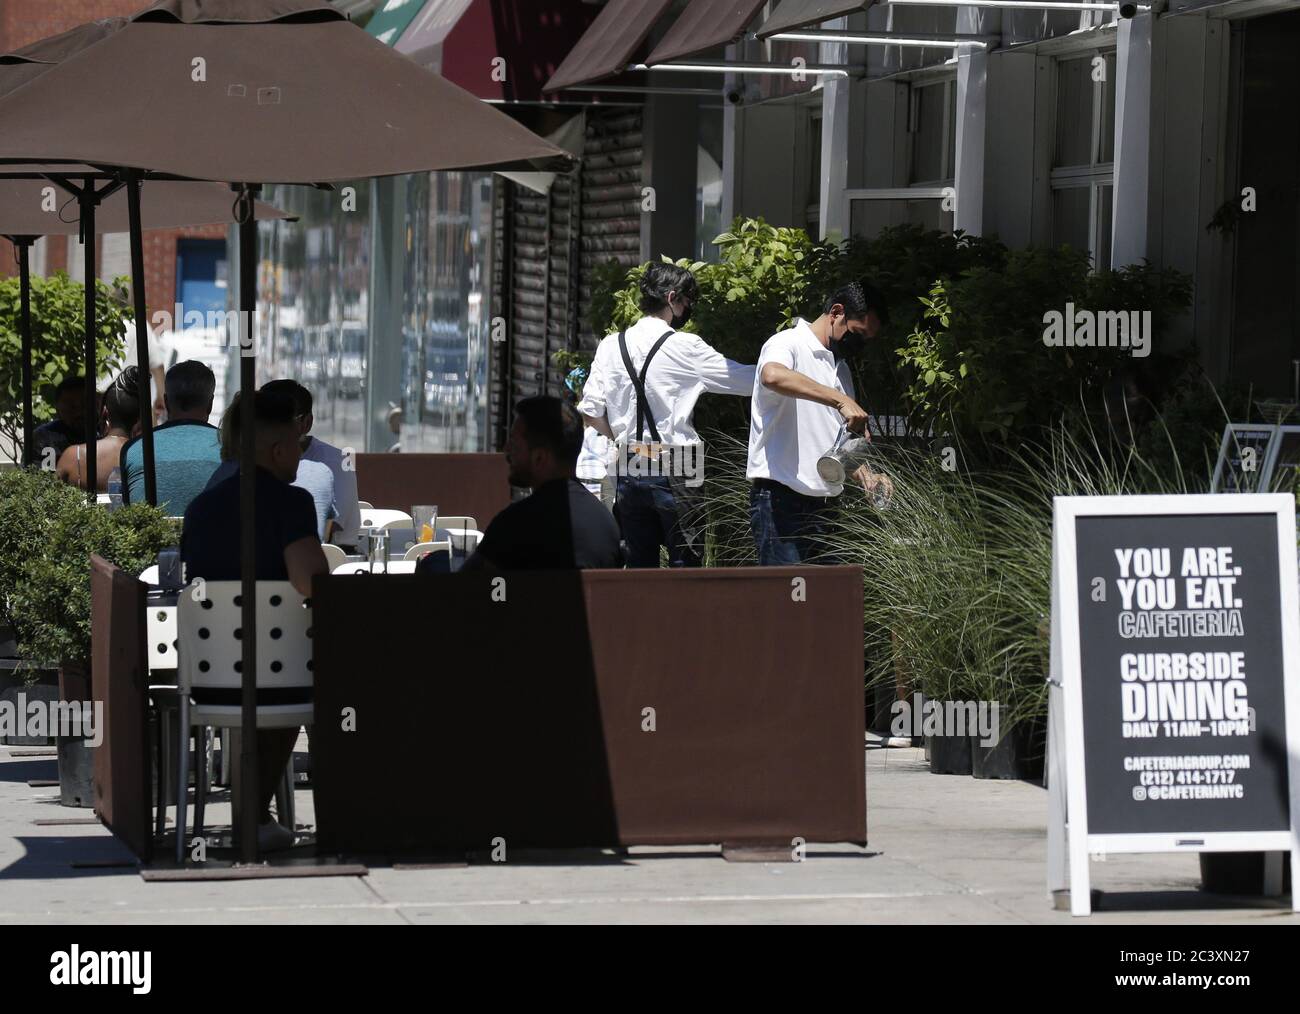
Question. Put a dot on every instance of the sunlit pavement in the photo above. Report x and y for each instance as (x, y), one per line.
(943, 849)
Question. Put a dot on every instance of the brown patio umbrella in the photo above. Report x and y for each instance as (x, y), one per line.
(26, 213)
(250, 92)
(259, 91)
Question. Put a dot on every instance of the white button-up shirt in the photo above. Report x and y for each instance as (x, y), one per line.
(684, 368)
(787, 435)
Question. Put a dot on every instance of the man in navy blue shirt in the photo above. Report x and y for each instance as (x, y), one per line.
(288, 549)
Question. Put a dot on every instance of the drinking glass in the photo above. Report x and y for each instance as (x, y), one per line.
(426, 522)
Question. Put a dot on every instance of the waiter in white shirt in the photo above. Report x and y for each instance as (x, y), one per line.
(641, 394)
(803, 394)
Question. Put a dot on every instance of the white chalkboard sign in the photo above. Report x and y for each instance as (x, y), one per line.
(1175, 701)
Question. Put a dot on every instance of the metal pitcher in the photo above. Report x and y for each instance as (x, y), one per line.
(846, 456)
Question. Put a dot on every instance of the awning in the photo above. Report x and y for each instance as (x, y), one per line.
(392, 19)
(469, 42)
(608, 45)
(794, 14)
(429, 31)
(705, 25)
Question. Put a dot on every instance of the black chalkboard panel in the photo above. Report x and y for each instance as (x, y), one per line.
(1182, 673)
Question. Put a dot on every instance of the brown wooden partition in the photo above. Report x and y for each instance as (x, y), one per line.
(120, 679)
(593, 709)
(476, 485)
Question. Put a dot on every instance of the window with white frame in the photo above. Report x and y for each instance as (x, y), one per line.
(813, 195)
(1083, 164)
(932, 130)
(931, 145)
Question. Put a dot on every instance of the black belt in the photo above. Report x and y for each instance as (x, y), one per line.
(781, 487)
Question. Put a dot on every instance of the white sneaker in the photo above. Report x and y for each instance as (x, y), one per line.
(273, 837)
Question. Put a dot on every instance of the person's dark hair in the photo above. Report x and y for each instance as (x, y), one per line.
(300, 395)
(122, 399)
(553, 424)
(858, 299)
(190, 385)
(68, 383)
(274, 409)
(660, 279)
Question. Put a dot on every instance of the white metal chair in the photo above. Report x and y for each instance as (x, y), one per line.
(150, 575)
(210, 657)
(334, 556)
(162, 655)
(463, 521)
(383, 518)
(365, 506)
(421, 548)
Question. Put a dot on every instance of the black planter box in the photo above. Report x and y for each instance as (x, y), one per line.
(76, 772)
(13, 683)
(950, 755)
(1020, 755)
(1239, 873)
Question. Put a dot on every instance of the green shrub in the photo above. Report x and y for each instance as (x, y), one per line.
(47, 534)
(58, 340)
(979, 367)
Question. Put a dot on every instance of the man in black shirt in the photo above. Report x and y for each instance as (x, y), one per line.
(68, 427)
(561, 526)
(288, 549)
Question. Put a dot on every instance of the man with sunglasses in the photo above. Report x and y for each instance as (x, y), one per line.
(641, 394)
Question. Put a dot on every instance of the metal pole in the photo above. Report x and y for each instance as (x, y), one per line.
(88, 201)
(141, 338)
(248, 808)
(24, 244)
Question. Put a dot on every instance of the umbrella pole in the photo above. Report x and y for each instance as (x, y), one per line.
(24, 244)
(88, 199)
(248, 808)
(141, 338)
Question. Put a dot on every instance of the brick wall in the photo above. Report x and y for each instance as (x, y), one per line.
(23, 22)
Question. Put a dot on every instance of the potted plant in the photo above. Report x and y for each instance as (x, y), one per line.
(47, 534)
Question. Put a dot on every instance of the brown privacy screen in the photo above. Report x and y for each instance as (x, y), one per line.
(524, 710)
(120, 681)
(705, 25)
(807, 14)
(610, 42)
(476, 485)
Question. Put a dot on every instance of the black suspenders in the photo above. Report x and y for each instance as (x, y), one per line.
(643, 413)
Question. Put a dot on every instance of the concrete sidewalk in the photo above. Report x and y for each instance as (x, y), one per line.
(943, 849)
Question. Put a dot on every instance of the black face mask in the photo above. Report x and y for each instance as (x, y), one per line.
(682, 319)
(850, 345)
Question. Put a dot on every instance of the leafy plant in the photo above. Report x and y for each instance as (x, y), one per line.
(47, 534)
(980, 368)
(58, 340)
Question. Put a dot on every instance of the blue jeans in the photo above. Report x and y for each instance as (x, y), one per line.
(787, 525)
(647, 513)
